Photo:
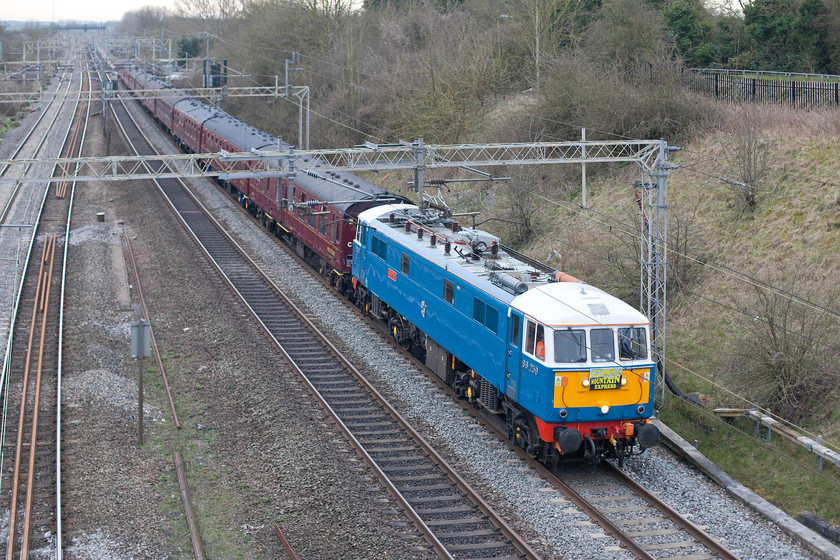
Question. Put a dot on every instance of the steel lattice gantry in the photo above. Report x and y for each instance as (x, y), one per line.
(650, 155)
(206, 93)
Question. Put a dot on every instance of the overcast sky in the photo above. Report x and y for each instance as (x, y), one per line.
(88, 10)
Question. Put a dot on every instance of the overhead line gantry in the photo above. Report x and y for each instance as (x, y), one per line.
(650, 155)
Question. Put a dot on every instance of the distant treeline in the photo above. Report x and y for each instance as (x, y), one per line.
(779, 35)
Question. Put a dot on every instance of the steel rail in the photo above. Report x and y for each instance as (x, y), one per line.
(49, 248)
(609, 527)
(473, 496)
(188, 510)
(42, 299)
(192, 525)
(553, 479)
(696, 533)
(147, 317)
(21, 417)
(602, 520)
(285, 543)
(58, 507)
(5, 374)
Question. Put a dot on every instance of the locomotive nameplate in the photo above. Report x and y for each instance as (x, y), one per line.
(600, 379)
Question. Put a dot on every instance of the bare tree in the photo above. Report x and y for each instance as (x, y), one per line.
(217, 14)
(545, 25)
(148, 20)
(331, 9)
(750, 155)
(787, 351)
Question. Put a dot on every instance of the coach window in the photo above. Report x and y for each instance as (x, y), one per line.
(603, 345)
(379, 248)
(404, 264)
(448, 291)
(322, 226)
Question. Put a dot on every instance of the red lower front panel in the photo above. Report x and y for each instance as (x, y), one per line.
(615, 428)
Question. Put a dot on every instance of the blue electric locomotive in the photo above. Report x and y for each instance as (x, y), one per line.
(565, 365)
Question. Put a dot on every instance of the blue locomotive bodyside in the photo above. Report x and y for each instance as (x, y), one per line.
(471, 324)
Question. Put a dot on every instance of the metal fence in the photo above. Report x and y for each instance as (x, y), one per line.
(737, 86)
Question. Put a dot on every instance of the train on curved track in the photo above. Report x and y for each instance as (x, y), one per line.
(564, 366)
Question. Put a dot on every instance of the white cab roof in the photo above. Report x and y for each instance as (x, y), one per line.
(575, 303)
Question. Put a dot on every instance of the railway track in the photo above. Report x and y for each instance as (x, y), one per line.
(636, 518)
(454, 520)
(33, 144)
(31, 471)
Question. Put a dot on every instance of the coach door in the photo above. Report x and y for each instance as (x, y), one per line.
(514, 354)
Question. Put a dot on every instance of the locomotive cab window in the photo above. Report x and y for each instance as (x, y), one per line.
(569, 346)
(404, 264)
(632, 343)
(448, 291)
(535, 342)
(603, 345)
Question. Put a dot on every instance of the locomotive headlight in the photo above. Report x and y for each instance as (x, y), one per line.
(605, 409)
(623, 381)
(585, 382)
